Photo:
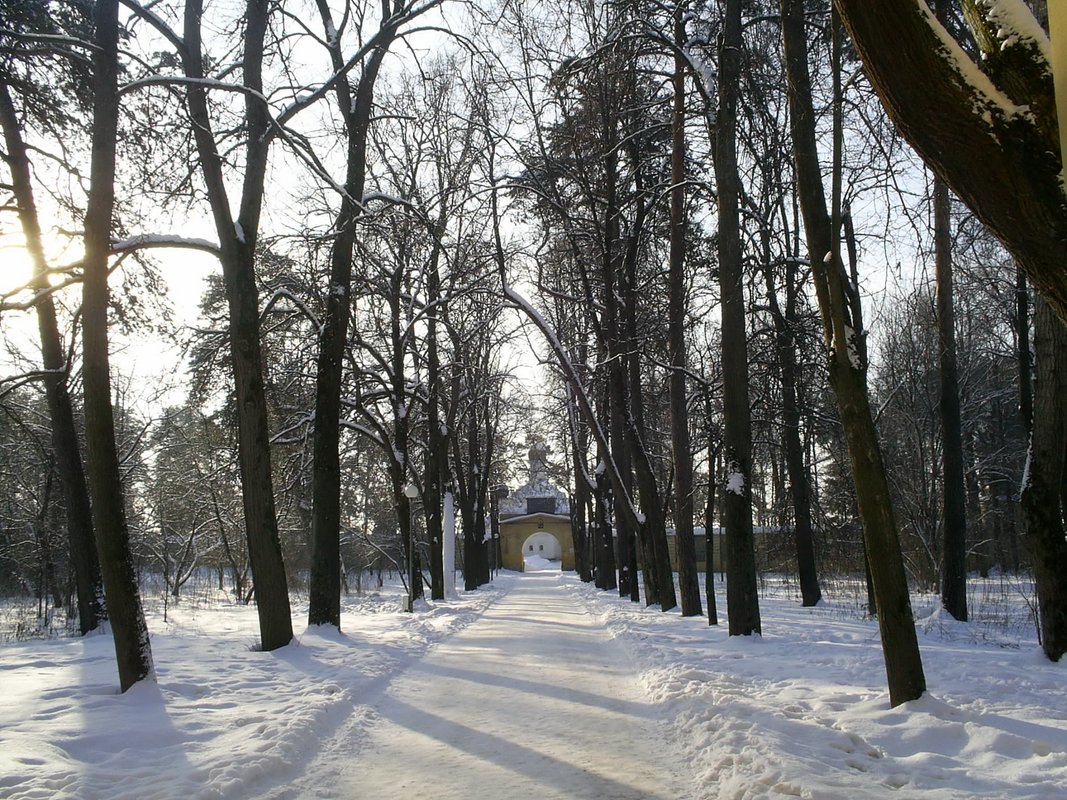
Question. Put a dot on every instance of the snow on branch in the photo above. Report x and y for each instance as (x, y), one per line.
(147, 241)
(1016, 24)
(579, 391)
(967, 72)
(280, 294)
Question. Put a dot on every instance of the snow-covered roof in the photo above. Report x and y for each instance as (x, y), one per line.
(537, 487)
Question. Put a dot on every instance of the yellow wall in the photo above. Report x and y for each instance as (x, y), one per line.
(514, 534)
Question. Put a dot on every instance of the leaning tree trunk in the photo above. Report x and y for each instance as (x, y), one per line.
(132, 648)
(1006, 125)
(83, 557)
(847, 368)
(1043, 485)
(742, 600)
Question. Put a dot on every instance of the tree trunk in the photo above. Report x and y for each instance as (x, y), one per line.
(612, 325)
(132, 647)
(1043, 484)
(799, 480)
(847, 376)
(324, 587)
(1022, 349)
(709, 520)
(955, 122)
(742, 600)
(84, 561)
(602, 502)
(436, 441)
(582, 487)
(688, 583)
(954, 516)
(237, 243)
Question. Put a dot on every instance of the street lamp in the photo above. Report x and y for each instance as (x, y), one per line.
(411, 491)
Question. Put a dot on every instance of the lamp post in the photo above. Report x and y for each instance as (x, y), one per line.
(411, 491)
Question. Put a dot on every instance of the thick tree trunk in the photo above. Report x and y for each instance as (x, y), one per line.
(652, 530)
(606, 577)
(742, 600)
(132, 648)
(401, 426)
(436, 440)
(1043, 485)
(847, 377)
(237, 242)
(611, 262)
(82, 545)
(954, 123)
(954, 516)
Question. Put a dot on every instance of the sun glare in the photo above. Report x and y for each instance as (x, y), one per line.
(17, 267)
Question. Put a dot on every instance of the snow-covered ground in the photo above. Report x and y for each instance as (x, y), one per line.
(801, 711)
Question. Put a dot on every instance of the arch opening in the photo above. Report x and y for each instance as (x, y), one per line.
(541, 551)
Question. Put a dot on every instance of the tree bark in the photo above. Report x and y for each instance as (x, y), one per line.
(681, 447)
(847, 377)
(85, 564)
(237, 243)
(709, 518)
(1043, 485)
(612, 325)
(799, 480)
(1022, 349)
(742, 600)
(324, 607)
(954, 124)
(132, 647)
(954, 493)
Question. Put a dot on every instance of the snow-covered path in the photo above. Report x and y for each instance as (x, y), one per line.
(533, 700)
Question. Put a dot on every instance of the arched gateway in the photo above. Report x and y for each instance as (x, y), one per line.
(536, 519)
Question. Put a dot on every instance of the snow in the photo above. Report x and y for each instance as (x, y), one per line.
(990, 97)
(800, 711)
(148, 240)
(735, 480)
(852, 348)
(540, 686)
(1017, 25)
(506, 710)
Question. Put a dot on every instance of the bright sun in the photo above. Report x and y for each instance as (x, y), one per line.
(17, 268)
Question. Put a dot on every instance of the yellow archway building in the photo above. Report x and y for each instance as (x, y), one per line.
(535, 519)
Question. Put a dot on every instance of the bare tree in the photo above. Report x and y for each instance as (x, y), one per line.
(847, 367)
(237, 253)
(86, 565)
(132, 646)
(742, 600)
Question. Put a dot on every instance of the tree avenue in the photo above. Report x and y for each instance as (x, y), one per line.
(770, 345)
